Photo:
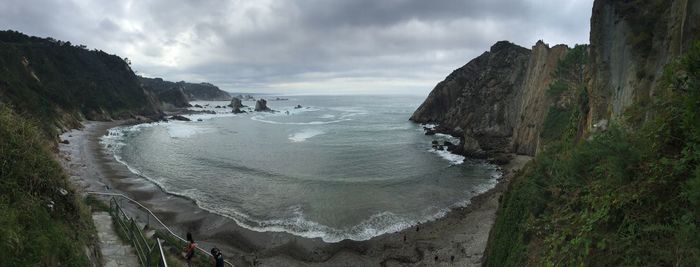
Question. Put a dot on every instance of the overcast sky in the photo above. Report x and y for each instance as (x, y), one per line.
(301, 46)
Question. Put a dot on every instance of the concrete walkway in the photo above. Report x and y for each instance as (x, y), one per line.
(115, 252)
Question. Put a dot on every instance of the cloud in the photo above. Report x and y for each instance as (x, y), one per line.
(312, 46)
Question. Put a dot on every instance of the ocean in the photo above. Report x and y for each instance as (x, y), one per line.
(339, 167)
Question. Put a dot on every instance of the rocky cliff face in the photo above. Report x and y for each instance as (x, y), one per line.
(498, 99)
(532, 97)
(631, 42)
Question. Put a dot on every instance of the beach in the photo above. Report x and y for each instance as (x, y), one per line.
(457, 239)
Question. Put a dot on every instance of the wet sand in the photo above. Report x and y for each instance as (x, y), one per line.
(458, 239)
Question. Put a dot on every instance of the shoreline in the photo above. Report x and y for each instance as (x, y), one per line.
(459, 237)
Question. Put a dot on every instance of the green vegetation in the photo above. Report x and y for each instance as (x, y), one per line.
(644, 19)
(626, 196)
(58, 84)
(42, 222)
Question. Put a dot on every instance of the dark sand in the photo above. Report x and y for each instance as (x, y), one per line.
(458, 239)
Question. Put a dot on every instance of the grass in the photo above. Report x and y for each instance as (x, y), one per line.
(43, 222)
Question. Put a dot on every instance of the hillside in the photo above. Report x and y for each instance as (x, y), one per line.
(60, 84)
(193, 91)
(614, 129)
(43, 221)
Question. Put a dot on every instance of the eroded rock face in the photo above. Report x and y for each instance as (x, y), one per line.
(534, 102)
(497, 101)
(261, 105)
(630, 43)
(236, 105)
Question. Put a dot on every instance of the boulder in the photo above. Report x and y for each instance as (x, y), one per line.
(297, 107)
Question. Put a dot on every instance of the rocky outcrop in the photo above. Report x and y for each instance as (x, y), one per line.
(500, 100)
(496, 101)
(236, 105)
(631, 42)
(261, 105)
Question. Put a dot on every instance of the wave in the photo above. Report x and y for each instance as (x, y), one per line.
(261, 119)
(350, 112)
(297, 223)
(184, 130)
(454, 159)
(304, 134)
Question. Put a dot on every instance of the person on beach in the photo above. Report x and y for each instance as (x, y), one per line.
(217, 257)
(189, 249)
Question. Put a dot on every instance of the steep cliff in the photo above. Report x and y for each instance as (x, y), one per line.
(498, 99)
(59, 84)
(631, 42)
(532, 98)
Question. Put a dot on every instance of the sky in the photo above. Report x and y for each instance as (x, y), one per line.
(301, 46)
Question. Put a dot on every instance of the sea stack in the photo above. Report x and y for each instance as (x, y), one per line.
(236, 104)
(261, 105)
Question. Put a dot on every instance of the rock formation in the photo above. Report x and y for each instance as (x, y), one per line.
(236, 105)
(494, 98)
(261, 105)
(499, 98)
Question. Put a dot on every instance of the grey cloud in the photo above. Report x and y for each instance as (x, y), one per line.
(263, 45)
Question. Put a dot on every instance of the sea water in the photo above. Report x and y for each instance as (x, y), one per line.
(339, 167)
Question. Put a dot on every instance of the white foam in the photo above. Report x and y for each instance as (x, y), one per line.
(428, 125)
(447, 137)
(261, 119)
(206, 116)
(454, 159)
(185, 130)
(326, 116)
(304, 134)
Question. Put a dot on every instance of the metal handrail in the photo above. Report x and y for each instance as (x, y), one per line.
(134, 234)
(155, 217)
(161, 260)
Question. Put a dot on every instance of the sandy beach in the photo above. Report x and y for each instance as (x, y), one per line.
(458, 239)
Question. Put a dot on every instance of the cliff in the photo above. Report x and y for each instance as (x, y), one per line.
(615, 180)
(193, 91)
(60, 84)
(497, 99)
(631, 42)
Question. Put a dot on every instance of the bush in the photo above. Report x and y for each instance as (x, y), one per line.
(41, 224)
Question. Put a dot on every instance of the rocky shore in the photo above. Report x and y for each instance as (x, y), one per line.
(458, 239)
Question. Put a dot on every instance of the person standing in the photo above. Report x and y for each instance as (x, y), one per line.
(217, 257)
(189, 249)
